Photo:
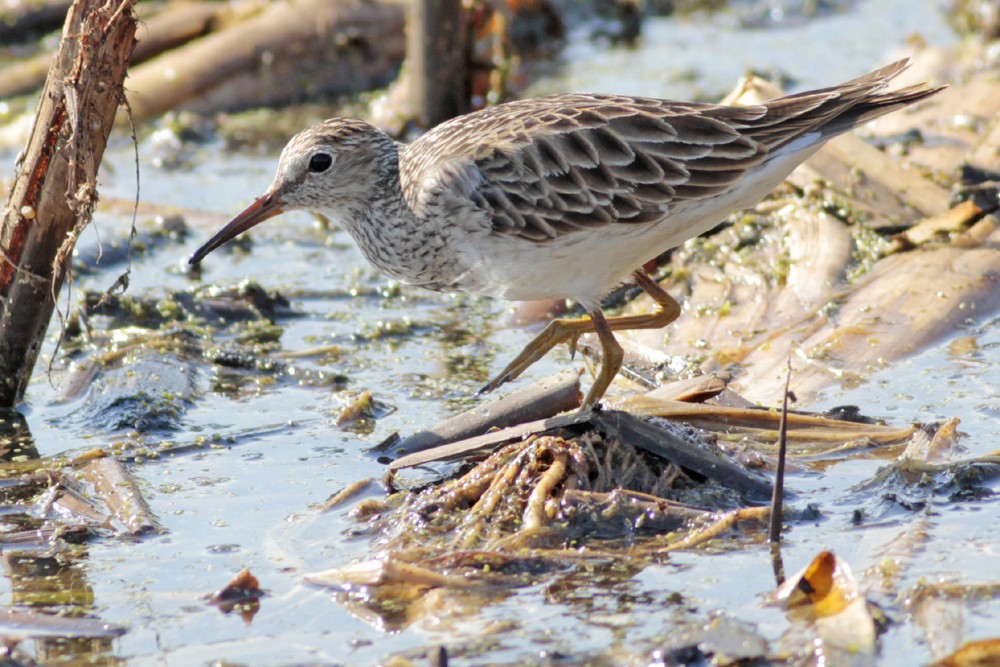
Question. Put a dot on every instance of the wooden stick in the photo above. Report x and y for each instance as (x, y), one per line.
(438, 60)
(778, 493)
(540, 400)
(681, 451)
(117, 489)
(483, 444)
(54, 192)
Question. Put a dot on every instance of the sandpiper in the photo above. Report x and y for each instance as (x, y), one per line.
(558, 197)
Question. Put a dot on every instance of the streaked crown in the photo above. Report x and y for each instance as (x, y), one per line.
(334, 167)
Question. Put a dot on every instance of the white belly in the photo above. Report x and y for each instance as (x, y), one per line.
(586, 265)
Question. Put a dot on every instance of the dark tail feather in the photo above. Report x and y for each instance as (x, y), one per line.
(836, 109)
(875, 106)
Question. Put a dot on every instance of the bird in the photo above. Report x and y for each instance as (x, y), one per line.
(558, 197)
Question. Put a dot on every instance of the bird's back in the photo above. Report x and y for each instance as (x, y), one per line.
(566, 170)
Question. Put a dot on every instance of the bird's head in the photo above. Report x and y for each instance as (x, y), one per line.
(332, 168)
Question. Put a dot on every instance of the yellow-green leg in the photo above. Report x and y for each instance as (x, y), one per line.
(568, 330)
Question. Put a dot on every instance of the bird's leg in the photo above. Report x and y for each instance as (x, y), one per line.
(611, 359)
(666, 311)
(562, 330)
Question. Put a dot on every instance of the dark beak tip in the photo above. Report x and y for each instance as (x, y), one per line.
(261, 209)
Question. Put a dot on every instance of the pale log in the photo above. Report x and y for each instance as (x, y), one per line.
(289, 52)
(175, 25)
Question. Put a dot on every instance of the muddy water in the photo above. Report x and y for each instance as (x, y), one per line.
(246, 502)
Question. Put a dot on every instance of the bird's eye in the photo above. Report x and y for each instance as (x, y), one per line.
(320, 162)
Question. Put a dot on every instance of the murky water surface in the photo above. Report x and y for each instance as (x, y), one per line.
(247, 504)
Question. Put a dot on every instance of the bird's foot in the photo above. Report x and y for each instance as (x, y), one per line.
(496, 382)
(554, 333)
(572, 342)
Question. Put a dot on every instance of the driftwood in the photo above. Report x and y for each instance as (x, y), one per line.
(986, 156)
(54, 193)
(66, 501)
(176, 25)
(959, 123)
(875, 183)
(756, 424)
(273, 57)
(484, 444)
(682, 450)
(47, 538)
(540, 400)
(937, 228)
(18, 19)
(24, 76)
(438, 61)
(209, 57)
(885, 316)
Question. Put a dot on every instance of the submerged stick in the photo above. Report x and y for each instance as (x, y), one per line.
(777, 494)
(117, 489)
(55, 189)
(721, 524)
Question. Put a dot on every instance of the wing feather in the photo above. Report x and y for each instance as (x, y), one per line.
(552, 166)
(611, 150)
(627, 165)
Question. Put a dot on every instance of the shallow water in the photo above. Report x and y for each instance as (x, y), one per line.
(247, 504)
(701, 57)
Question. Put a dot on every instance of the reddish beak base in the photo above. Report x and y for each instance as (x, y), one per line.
(260, 210)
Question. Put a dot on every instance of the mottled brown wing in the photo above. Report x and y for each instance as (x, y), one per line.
(547, 167)
(597, 160)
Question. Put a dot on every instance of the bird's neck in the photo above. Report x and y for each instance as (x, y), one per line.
(386, 205)
(384, 225)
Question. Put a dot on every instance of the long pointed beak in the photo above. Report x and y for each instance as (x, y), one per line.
(260, 210)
